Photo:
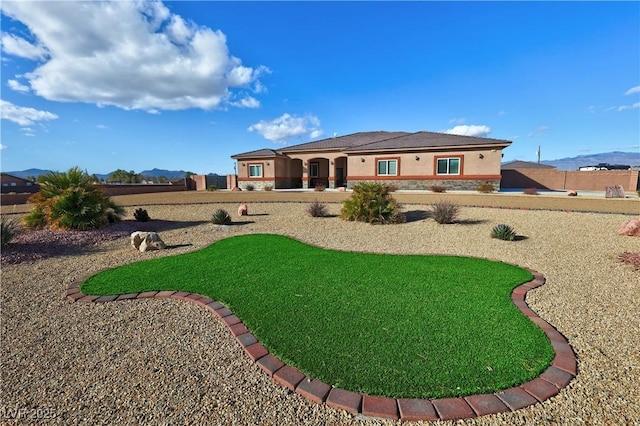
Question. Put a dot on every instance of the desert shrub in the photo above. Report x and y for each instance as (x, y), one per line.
(317, 209)
(8, 230)
(486, 188)
(141, 215)
(71, 200)
(319, 188)
(444, 211)
(503, 232)
(438, 188)
(638, 191)
(371, 202)
(249, 187)
(212, 188)
(268, 188)
(530, 191)
(221, 217)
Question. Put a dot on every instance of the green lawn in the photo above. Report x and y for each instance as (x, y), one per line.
(395, 325)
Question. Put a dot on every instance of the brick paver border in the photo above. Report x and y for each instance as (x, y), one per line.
(562, 370)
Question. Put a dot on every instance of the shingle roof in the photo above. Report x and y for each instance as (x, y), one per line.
(265, 152)
(342, 142)
(517, 164)
(427, 140)
(380, 141)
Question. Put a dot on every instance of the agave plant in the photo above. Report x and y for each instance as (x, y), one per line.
(503, 232)
(8, 230)
(71, 200)
(221, 217)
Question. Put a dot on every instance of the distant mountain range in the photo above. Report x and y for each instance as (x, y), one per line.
(572, 163)
(616, 157)
(169, 174)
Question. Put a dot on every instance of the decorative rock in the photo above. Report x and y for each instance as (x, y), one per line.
(146, 241)
(630, 228)
(236, 189)
(614, 191)
(341, 189)
(242, 210)
(572, 193)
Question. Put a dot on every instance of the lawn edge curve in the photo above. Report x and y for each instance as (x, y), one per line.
(558, 375)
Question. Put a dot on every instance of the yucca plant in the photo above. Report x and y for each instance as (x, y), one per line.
(71, 200)
(444, 211)
(8, 230)
(221, 217)
(503, 232)
(371, 202)
(317, 209)
(141, 215)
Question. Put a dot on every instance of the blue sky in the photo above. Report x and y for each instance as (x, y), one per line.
(185, 85)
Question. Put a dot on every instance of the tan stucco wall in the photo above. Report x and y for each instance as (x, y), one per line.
(422, 164)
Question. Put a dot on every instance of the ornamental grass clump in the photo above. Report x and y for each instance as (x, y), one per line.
(486, 188)
(221, 217)
(71, 200)
(8, 230)
(141, 215)
(503, 232)
(445, 211)
(371, 202)
(317, 209)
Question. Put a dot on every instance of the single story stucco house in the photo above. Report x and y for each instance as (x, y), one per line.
(406, 160)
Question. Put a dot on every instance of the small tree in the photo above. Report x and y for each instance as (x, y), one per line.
(71, 200)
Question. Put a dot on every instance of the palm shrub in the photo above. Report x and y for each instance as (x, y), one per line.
(8, 230)
(141, 215)
(503, 232)
(71, 200)
(317, 209)
(371, 202)
(444, 211)
(221, 217)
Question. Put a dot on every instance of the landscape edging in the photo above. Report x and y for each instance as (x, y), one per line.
(558, 375)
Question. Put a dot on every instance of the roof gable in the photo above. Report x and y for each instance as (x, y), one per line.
(265, 152)
(421, 140)
(518, 164)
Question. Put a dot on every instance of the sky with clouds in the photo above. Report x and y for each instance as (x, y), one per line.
(184, 85)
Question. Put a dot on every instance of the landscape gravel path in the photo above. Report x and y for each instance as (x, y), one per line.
(172, 362)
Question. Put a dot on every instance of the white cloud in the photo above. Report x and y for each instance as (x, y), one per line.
(248, 102)
(22, 115)
(626, 107)
(287, 126)
(470, 130)
(3, 147)
(18, 46)
(632, 90)
(17, 86)
(316, 134)
(102, 127)
(132, 55)
(457, 120)
(502, 113)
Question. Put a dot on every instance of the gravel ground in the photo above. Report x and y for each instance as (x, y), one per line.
(171, 362)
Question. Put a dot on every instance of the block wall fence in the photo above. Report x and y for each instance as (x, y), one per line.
(596, 180)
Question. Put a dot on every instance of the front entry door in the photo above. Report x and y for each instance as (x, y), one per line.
(339, 176)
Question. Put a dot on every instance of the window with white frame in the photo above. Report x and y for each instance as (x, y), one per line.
(388, 167)
(448, 166)
(255, 170)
